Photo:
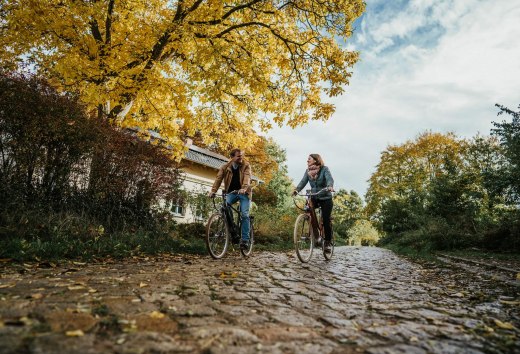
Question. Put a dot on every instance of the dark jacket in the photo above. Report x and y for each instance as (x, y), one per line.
(323, 180)
(225, 174)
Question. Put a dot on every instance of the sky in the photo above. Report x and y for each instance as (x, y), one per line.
(426, 65)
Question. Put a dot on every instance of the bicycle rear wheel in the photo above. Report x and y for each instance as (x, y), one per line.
(328, 255)
(217, 236)
(246, 252)
(303, 240)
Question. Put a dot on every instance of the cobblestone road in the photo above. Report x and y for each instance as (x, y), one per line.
(365, 300)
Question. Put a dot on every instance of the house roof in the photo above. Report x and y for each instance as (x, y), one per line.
(205, 157)
(197, 154)
(209, 158)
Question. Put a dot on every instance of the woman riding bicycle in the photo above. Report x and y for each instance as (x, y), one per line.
(319, 177)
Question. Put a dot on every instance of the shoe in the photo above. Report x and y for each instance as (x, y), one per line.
(244, 245)
(328, 247)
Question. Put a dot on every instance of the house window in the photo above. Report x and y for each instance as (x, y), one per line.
(177, 207)
(200, 214)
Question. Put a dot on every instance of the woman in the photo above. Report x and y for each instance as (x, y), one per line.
(319, 177)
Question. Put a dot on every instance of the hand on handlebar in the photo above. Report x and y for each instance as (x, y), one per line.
(294, 193)
(242, 191)
(212, 194)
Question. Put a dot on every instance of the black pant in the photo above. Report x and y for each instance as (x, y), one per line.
(326, 211)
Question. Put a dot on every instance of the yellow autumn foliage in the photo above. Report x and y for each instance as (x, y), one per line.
(181, 67)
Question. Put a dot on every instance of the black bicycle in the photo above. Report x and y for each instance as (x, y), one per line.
(309, 231)
(224, 227)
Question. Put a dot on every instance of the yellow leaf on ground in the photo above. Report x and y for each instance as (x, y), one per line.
(504, 325)
(157, 314)
(518, 276)
(223, 275)
(76, 333)
(76, 287)
(8, 285)
(234, 274)
(142, 285)
(37, 296)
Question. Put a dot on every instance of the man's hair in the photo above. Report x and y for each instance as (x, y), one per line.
(233, 152)
(319, 160)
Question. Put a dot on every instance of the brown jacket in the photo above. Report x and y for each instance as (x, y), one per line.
(225, 174)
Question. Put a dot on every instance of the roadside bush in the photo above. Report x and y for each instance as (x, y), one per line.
(69, 181)
(274, 225)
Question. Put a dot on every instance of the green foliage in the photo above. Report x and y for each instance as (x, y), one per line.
(509, 135)
(277, 191)
(446, 194)
(362, 232)
(274, 225)
(348, 208)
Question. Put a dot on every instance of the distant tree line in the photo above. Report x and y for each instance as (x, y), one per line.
(440, 191)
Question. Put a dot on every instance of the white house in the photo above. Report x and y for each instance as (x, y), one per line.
(200, 167)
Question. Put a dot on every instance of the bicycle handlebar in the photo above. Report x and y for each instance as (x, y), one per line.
(312, 194)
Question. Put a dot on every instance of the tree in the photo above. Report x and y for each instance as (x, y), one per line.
(271, 160)
(509, 135)
(348, 208)
(405, 171)
(363, 233)
(188, 66)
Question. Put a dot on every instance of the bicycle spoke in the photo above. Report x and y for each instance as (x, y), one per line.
(216, 236)
(303, 242)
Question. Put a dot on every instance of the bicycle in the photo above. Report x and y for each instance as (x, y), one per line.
(225, 225)
(308, 229)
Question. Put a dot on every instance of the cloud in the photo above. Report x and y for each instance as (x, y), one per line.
(425, 65)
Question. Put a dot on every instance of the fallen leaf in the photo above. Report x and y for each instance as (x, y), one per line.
(37, 296)
(76, 333)
(507, 302)
(142, 285)
(504, 325)
(76, 287)
(157, 314)
(8, 285)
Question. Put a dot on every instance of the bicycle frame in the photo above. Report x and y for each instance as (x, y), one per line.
(314, 233)
(217, 240)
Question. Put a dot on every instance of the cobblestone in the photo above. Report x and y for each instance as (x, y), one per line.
(366, 300)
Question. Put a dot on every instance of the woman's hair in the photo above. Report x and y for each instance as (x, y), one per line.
(318, 159)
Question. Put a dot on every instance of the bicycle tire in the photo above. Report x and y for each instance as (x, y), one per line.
(328, 255)
(217, 236)
(303, 238)
(247, 252)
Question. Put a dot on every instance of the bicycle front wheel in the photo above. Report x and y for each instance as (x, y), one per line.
(217, 236)
(303, 240)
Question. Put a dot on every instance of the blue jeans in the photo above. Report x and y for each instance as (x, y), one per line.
(244, 211)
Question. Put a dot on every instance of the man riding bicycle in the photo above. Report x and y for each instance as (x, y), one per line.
(236, 175)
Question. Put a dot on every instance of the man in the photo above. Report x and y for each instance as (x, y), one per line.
(236, 175)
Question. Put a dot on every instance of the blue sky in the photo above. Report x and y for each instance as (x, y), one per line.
(438, 65)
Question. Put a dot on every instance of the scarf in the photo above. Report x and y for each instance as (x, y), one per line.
(312, 171)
